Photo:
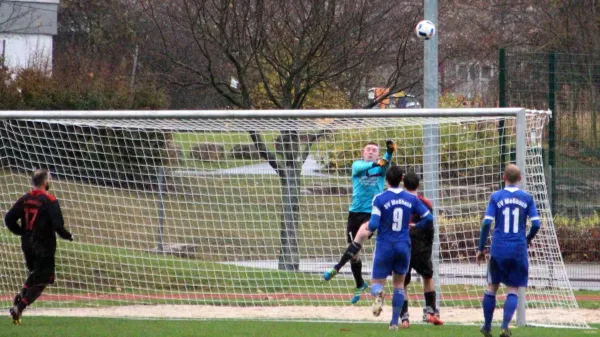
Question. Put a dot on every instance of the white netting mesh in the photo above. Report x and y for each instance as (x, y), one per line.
(188, 211)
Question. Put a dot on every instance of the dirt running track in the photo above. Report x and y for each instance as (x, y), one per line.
(326, 313)
(242, 297)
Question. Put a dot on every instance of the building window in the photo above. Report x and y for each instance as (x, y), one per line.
(462, 72)
(2, 54)
(486, 72)
(472, 72)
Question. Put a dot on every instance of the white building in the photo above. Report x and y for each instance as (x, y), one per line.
(27, 28)
(471, 79)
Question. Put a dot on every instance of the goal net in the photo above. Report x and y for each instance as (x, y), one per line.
(241, 213)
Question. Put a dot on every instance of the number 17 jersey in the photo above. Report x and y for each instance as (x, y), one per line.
(509, 208)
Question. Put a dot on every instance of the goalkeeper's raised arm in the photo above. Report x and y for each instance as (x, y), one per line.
(368, 180)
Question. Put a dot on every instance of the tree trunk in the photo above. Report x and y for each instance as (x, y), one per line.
(289, 255)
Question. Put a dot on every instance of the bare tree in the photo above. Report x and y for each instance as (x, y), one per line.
(287, 49)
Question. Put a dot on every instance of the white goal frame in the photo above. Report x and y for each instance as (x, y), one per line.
(430, 140)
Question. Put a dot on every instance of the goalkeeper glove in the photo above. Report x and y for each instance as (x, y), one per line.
(379, 163)
(391, 146)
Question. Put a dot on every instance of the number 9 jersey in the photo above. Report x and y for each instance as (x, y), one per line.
(395, 208)
(391, 215)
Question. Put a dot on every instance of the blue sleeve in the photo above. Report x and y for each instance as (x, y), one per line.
(361, 166)
(388, 158)
(375, 216)
(485, 232)
(425, 221)
(490, 215)
(421, 209)
(532, 213)
(490, 212)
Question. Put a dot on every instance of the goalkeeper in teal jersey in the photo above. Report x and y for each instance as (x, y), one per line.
(368, 180)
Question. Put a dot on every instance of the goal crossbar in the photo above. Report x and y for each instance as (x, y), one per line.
(228, 114)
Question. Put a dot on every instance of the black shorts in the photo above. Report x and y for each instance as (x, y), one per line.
(41, 268)
(422, 264)
(355, 220)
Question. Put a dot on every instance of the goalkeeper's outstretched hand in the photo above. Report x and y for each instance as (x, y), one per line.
(390, 146)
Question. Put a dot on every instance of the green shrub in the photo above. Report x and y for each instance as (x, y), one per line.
(581, 223)
(578, 239)
(118, 157)
(466, 149)
(33, 89)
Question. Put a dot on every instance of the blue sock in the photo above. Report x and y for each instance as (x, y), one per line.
(397, 302)
(510, 306)
(489, 304)
(376, 288)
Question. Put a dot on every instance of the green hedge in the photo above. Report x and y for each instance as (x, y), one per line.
(117, 157)
(123, 158)
(578, 239)
(464, 150)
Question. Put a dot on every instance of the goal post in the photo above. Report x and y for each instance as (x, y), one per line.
(242, 211)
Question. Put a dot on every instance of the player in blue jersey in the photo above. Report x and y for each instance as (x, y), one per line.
(368, 180)
(508, 264)
(391, 215)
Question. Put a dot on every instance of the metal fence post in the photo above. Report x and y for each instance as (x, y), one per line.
(520, 153)
(552, 121)
(161, 209)
(502, 102)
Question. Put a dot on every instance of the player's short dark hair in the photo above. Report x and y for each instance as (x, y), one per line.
(512, 173)
(39, 177)
(394, 176)
(411, 181)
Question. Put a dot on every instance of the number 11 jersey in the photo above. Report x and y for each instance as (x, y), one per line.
(509, 208)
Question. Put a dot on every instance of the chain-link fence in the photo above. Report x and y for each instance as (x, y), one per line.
(569, 85)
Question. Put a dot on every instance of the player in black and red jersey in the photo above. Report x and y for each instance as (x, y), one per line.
(41, 218)
(420, 260)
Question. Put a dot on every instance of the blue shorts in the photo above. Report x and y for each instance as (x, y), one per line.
(512, 271)
(390, 257)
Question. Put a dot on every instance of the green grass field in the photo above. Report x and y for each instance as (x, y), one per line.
(96, 327)
(115, 232)
(135, 272)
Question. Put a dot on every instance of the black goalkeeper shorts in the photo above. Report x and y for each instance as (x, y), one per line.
(41, 268)
(422, 264)
(355, 221)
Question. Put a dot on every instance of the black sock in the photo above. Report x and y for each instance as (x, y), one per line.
(356, 267)
(20, 295)
(404, 308)
(31, 295)
(430, 299)
(350, 252)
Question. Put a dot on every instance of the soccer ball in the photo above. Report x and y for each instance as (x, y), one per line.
(425, 30)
